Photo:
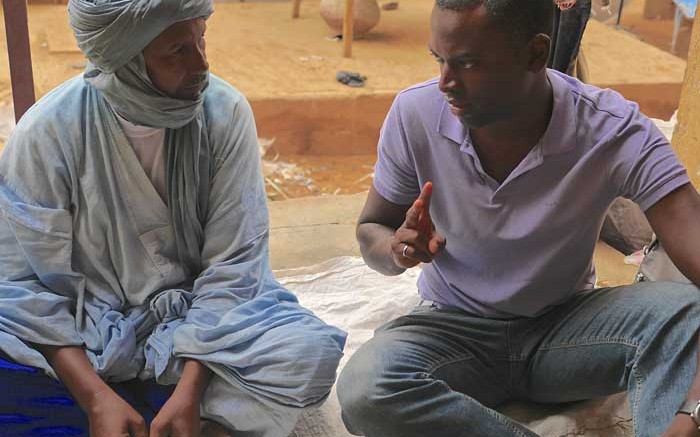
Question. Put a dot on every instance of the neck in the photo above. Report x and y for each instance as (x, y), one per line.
(501, 146)
(524, 128)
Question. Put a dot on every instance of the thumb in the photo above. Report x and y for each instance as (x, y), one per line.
(436, 244)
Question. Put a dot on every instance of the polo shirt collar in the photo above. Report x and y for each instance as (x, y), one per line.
(560, 135)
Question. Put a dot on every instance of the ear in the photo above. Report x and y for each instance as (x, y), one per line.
(538, 50)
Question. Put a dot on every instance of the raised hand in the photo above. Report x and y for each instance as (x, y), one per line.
(416, 240)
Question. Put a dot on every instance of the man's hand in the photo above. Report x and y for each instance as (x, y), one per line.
(111, 416)
(108, 414)
(416, 240)
(179, 417)
(682, 426)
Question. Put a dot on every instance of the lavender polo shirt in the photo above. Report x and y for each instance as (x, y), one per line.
(520, 247)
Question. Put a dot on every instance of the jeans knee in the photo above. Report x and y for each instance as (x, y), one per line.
(679, 301)
(354, 388)
(371, 395)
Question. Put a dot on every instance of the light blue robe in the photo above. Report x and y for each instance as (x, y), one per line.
(88, 258)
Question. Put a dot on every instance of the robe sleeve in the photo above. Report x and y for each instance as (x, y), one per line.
(38, 288)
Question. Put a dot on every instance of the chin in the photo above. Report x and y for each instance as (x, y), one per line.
(472, 122)
(191, 93)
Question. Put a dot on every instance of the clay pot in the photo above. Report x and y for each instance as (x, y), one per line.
(366, 15)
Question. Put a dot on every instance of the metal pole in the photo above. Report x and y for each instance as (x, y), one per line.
(619, 11)
(17, 31)
(348, 25)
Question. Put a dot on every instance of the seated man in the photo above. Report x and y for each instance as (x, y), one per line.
(497, 175)
(134, 236)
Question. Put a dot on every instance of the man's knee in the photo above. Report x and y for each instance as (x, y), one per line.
(665, 311)
(673, 300)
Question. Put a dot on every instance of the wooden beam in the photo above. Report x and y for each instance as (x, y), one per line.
(348, 28)
(295, 8)
(17, 32)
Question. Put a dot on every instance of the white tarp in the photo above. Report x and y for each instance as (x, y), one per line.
(346, 293)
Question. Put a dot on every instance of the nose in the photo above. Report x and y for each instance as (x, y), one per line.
(198, 61)
(448, 78)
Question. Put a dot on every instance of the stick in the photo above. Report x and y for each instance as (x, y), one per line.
(295, 8)
(276, 187)
(19, 54)
(348, 31)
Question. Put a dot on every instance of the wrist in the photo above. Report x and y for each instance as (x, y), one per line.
(689, 415)
(683, 425)
(194, 380)
(91, 401)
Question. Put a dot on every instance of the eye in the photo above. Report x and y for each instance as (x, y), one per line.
(467, 64)
(437, 59)
(177, 49)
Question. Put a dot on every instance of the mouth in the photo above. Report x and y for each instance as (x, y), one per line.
(197, 83)
(457, 106)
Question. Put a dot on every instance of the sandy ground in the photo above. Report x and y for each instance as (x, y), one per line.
(261, 50)
(655, 32)
(265, 53)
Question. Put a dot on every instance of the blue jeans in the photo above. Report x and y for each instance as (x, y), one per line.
(440, 372)
(35, 405)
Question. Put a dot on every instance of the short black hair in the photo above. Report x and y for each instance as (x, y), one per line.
(520, 19)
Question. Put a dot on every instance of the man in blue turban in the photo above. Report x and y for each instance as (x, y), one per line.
(134, 267)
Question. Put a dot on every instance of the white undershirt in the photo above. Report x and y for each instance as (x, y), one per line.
(148, 144)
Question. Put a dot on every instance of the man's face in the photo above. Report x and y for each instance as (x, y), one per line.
(176, 60)
(482, 74)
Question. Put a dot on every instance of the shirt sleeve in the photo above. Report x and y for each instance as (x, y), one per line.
(395, 176)
(647, 167)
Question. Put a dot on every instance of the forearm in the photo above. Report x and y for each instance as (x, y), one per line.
(375, 246)
(674, 219)
(194, 380)
(75, 372)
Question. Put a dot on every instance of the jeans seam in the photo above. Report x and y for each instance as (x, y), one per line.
(591, 342)
(638, 378)
(638, 389)
(439, 364)
(500, 417)
(496, 415)
(510, 356)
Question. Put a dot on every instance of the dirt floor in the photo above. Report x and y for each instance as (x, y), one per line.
(260, 49)
(276, 61)
(657, 32)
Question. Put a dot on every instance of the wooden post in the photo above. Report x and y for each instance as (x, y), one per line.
(295, 8)
(17, 31)
(348, 25)
(686, 137)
